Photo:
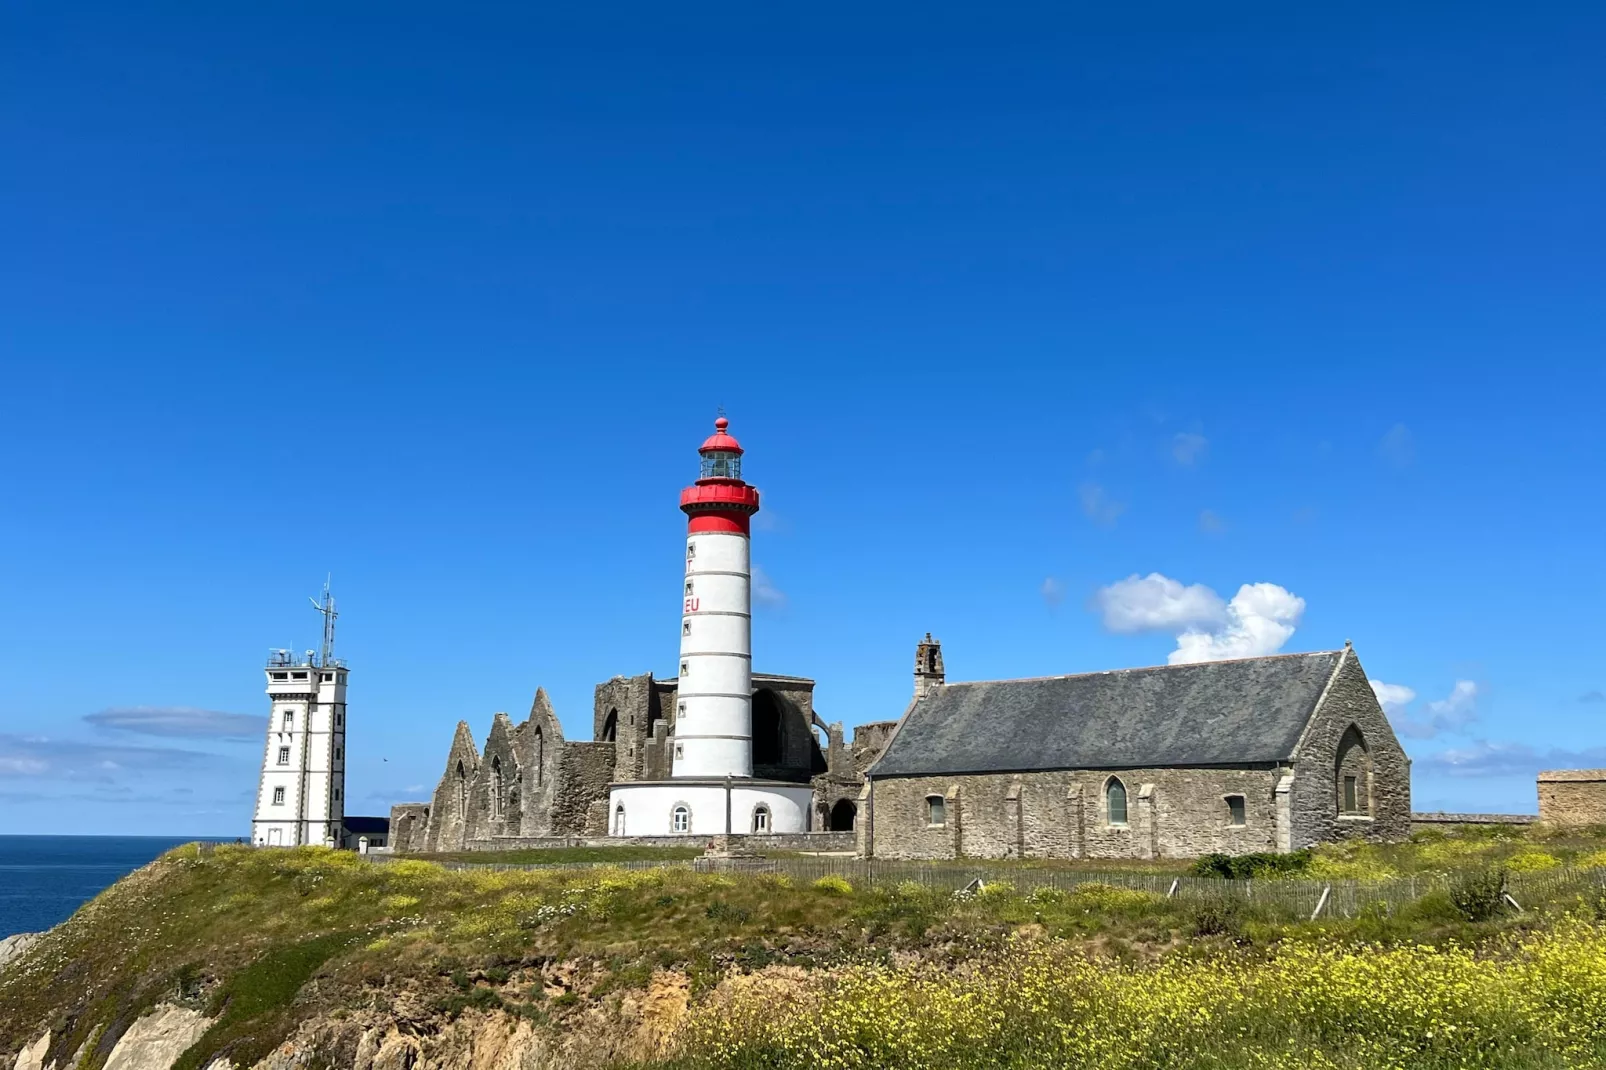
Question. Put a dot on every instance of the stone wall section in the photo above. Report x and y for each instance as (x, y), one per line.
(1384, 769)
(1572, 797)
(409, 822)
(580, 797)
(1171, 812)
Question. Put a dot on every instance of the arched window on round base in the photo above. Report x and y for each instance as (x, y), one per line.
(619, 820)
(680, 818)
(761, 819)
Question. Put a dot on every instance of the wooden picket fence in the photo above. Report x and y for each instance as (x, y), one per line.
(1287, 898)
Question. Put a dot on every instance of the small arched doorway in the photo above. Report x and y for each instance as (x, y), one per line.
(843, 815)
(610, 728)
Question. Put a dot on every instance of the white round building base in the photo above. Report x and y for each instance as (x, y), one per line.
(702, 807)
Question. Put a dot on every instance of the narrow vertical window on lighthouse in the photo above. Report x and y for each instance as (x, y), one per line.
(685, 628)
(688, 586)
(685, 668)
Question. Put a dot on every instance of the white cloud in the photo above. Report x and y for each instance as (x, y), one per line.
(1157, 603)
(1187, 448)
(179, 722)
(1450, 714)
(36, 756)
(1485, 758)
(1053, 591)
(1459, 708)
(1397, 447)
(765, 593)
(1260, 618)
(1392, 697)
(1099, 507)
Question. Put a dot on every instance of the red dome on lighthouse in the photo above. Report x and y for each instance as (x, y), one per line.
(720, 500)
(719, 440)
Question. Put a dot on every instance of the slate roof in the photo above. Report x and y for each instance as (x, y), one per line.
(1214, 713)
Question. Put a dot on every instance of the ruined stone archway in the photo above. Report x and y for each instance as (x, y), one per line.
(843, 815)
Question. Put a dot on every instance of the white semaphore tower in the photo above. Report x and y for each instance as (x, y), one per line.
(712, 790)
(300, 799)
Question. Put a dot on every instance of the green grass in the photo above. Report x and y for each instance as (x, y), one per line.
(265, 939)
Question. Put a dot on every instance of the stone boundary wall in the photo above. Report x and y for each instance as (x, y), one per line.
(1436, 818)
(796, 841)
(1572, 797)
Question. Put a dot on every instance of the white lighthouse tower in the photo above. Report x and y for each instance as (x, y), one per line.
(712, 790)
(301, 796)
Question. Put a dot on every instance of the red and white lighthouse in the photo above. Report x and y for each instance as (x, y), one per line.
(711, 790)
(714, 707)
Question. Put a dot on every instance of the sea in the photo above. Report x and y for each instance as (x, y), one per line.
(43, 879)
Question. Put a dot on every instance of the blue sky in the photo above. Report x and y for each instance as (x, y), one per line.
(1047, 330)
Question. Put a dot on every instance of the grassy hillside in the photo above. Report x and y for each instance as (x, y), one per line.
(825, 973)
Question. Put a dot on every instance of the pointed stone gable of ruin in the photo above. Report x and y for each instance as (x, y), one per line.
(542, 713)
(448, 811)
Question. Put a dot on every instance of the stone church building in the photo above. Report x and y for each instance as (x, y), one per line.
(1259, 754)
(530, 784)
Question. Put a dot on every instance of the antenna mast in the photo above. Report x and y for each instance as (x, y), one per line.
(327, 608)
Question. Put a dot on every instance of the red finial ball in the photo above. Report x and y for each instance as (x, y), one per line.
(720, 424)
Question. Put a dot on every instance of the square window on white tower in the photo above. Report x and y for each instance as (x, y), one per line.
(278, 796)
(680, 751)
(685, 668)
(685, 627)
(688, 586)
(289, 720)
(680, 709)
(284, 755)
(691, 551)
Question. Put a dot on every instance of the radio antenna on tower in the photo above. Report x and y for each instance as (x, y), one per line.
(327, 608)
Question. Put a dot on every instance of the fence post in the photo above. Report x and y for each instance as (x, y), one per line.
(1322, 902)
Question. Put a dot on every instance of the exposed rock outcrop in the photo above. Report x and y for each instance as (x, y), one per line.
(155, 1041)
(12, 947)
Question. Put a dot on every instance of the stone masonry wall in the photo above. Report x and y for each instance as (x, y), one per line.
(1315, 797)
(583, 776)
(408, 822)
(1062, 814)
(1572, 797)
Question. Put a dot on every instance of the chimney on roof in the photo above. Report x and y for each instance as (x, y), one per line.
(928, 666)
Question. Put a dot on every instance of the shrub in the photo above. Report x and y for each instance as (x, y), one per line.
(833, 885)
(1220, 917)
(1108, 899)
(1531, 861)
(1478, 894)
(996, 890)
(1592, 860)
(1255, 866)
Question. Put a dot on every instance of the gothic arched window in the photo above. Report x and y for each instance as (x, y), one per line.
(1115, 801)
